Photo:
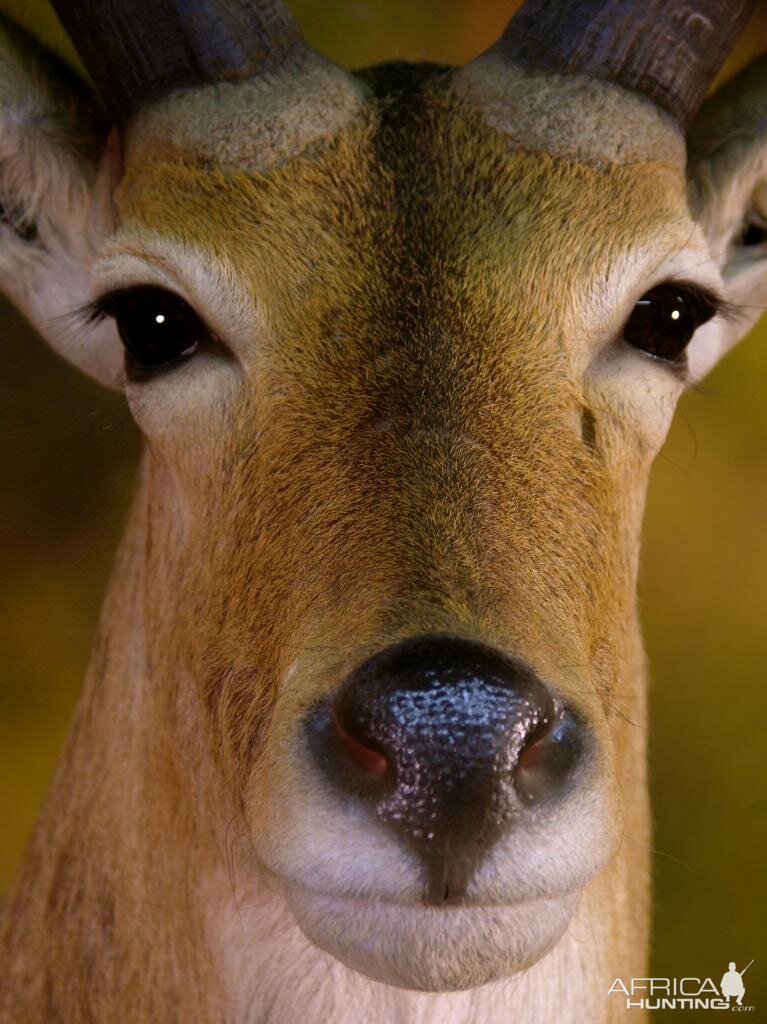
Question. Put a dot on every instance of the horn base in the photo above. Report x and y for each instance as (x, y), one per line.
(136, 51)
(667, 52)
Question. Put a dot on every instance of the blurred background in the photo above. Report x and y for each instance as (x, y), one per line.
(67, 454)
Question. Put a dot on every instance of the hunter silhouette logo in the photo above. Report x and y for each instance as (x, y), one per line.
(732, 983)
(685, 993)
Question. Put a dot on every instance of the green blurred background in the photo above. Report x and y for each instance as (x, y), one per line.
(67, 453)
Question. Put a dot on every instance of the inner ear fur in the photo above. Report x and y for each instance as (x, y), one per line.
(51, 130)
(727, 176)
(52, 137)
(727, 153)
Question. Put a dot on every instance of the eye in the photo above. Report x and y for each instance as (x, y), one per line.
(665, 318)
(157, 328)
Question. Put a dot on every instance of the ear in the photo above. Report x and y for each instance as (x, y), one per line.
(727, 172)
(54, 199)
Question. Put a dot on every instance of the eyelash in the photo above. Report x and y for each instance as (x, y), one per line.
(97, 310)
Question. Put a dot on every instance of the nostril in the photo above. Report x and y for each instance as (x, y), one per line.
(451, 743)
(548, 757)
(363, 757)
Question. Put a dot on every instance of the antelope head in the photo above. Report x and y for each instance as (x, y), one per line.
(402, 345)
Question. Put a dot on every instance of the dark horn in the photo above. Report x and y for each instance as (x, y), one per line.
(664, 50)
(136, 50)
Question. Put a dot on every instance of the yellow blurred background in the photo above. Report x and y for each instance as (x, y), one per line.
(67, 452)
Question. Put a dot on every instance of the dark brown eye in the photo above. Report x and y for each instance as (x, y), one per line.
(665, 318)
(157, 327)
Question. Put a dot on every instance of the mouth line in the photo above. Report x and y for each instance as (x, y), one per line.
(424, 907)
(288, 886)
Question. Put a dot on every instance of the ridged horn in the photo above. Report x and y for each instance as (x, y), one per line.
(664, 50)
(136, 50)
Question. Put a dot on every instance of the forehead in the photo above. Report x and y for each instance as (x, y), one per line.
(415, 191)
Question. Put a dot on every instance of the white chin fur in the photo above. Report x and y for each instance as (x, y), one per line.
(432, 949)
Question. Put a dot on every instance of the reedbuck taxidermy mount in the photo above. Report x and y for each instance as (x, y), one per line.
(359, 738)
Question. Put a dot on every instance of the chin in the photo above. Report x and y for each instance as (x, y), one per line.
(432, 949)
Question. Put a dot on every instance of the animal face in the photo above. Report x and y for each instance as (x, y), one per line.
(402, 365)
(413, 413)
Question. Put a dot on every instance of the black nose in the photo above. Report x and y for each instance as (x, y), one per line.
(451, 743)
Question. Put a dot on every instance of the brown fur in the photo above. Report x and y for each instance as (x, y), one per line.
(411, 440)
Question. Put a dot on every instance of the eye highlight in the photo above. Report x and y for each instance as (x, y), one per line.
(158, 328)
(664, 320)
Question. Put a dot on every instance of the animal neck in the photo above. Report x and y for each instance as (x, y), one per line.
(139, 893)
(108, 899)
